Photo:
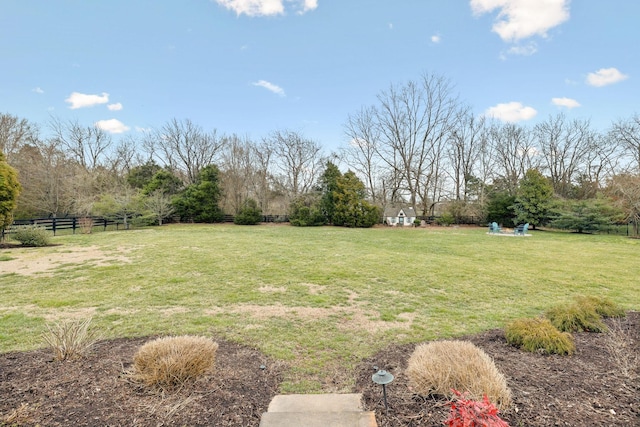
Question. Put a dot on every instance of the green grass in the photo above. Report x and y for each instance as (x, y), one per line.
(319, 299)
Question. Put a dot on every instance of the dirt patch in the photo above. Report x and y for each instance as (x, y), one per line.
(272, 289)
(33, 261)
(347, 318)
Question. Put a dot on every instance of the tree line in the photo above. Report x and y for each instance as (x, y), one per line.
(418, 144)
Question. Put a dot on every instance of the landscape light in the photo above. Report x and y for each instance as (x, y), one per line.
(383, 378)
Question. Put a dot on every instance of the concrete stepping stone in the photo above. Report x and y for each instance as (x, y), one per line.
(321, 410)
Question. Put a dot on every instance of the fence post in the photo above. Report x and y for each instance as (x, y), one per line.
(105, 224)
(73, 224)
(53, 226)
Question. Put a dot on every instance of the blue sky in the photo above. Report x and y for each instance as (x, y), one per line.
(254, 66)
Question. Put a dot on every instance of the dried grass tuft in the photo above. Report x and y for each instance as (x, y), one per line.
(436, 368)
(70, 339)
(169, 362)
(620, 346)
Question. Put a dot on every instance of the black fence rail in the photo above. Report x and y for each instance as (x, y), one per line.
(83, 224)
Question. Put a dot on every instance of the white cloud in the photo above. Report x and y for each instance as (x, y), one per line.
(309, 5)
(605, 76)
(565, 102)
(520, 19)
(111, 126)
(37, 90)
(435, 38)
(270, 86)
(523, 50)
(115, 107)
(81, 100)
(266, 7)
(511, 112)
(141, 129)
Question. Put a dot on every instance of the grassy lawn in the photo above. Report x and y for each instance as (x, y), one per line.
(319, 299)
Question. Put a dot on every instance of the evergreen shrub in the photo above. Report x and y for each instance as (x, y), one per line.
(576, 317)
(538, 334)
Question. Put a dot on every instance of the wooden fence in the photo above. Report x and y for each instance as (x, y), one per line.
(84, 224)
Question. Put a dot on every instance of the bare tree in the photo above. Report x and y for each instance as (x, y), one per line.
(414, 122)
(361, 152)
(564, 147)
(514, 153)
(159, 204)
(602, 161)
(485, 164)
(238, 172)
(464, 147)
(125, 156)
(185, 147)
(625, 190)
(263, 156)
(627, 132)
(47, 177)
(14, 134)
(88, 146)
(298, 160)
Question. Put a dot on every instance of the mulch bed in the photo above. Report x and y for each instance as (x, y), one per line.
(95, 391)
(585, 389)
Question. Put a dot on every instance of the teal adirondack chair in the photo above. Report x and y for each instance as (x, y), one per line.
(521, 230)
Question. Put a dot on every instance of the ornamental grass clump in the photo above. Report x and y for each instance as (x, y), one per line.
(70, 339)
(438, 368)
(169, 362)
(538, 334)
(576, 318)
(601, 305)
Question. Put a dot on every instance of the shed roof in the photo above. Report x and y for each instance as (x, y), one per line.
(394, 211)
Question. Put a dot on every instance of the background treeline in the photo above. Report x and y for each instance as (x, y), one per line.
(418, 145)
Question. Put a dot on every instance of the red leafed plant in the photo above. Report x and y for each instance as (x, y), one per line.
(473, 413)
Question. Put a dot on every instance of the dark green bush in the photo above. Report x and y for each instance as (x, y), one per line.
(31, 235)
(250, 214)
(576, 318)
(305, 212)
(539, 334)
(445, 219)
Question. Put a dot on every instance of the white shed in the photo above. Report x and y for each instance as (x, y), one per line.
(401, 216)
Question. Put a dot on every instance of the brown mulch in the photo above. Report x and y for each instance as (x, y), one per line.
(585, 389)
(35, 390)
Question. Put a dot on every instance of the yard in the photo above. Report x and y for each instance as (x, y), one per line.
(317, 305)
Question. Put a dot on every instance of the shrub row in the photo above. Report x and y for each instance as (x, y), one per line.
(552, 334)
